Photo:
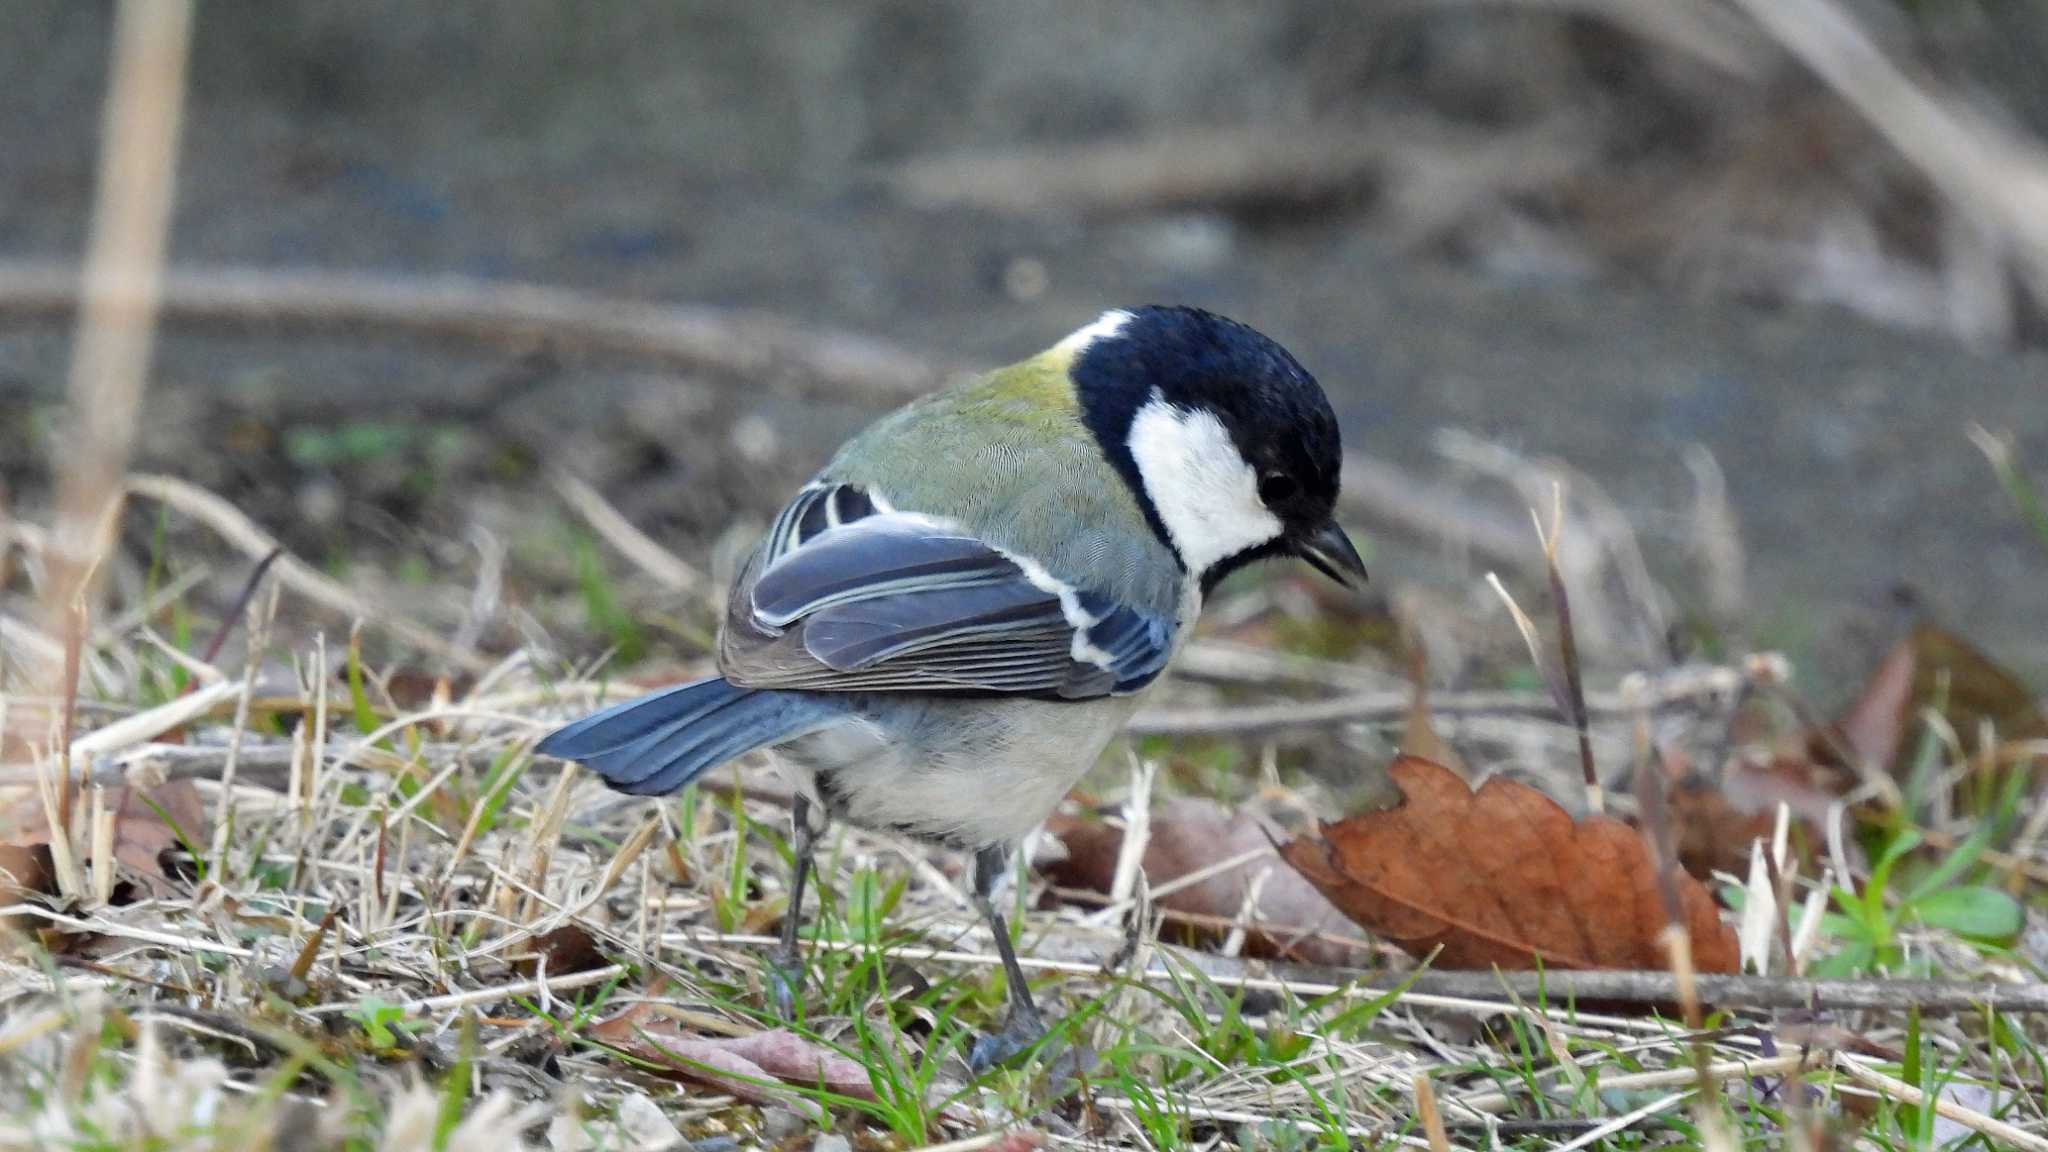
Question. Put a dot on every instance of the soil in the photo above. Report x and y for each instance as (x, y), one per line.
(725, 154)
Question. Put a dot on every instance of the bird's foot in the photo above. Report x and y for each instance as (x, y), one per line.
(1020, 1032)
(785, 984)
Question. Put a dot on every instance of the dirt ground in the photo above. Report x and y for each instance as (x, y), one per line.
(732, 156)
(1659, 251)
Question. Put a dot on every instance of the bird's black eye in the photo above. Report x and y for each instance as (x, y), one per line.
(1276, 488)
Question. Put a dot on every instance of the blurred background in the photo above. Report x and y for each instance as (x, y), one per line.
(1745, 273)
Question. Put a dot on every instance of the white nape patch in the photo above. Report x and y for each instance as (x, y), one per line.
(1206, 494)
(1106, 327)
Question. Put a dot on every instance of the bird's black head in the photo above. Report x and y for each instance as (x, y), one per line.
(1225, 439)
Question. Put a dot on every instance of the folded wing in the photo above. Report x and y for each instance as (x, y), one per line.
(880, 600)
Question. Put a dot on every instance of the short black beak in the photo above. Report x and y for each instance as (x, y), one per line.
(1330, 551)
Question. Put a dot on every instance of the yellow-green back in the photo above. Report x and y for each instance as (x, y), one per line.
(1007, 456)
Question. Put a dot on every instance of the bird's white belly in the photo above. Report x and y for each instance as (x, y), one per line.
(969, 773)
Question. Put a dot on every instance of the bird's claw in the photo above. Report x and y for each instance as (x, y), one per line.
(1018, 1034)
(785, 985)
(1019, 1031)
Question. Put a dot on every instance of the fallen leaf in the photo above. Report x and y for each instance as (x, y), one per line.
(415, 689)
(142, 837)
(144, 829)
(1294, 920)
(1874, 725)
(1930, 666)
(25, 869)
(1714, 835)
(1716, 820)
(749, 1067)
(760, 917)
(1810, 769)
(1503, 876)
(569, 948)
(1419, 735)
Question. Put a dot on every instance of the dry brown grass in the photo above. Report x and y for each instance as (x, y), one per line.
(375, 924)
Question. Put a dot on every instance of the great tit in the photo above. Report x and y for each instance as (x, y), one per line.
(944, 628)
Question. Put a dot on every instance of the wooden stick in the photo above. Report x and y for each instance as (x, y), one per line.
(667, 569)
(235, 527)
(2005, 1134)
(119, 290)
(754, 345)
(1998, 177)
(1729, 992)
(1541, 989)
(1391, 707)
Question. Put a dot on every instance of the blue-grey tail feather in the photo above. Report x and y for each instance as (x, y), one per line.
(657, 743)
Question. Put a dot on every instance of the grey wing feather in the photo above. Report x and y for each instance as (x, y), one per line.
(885, 601)
(850, 637)
(815, 509)
(870, 559)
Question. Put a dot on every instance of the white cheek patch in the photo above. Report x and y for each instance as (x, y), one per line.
(1206, 494)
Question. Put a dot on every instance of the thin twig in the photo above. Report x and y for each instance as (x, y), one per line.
(1489, 990)
(1493, 1100)
(1745, 992)
(1568, 648)
(667, 569)
(489, 995)
(2008, 1135)
(240, 605)
(120, 288)
(116, 929)
(1693, 691)
(1997, 176)
(1624, 1121)
(237, 529)
(1193, 1110)
(752, 345)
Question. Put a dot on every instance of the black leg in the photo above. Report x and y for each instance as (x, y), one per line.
(1023, 1026)
(786, 965)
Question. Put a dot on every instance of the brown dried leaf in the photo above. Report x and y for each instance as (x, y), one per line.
(1717, 819)
(1713, 834)
(1191, 834)
(1930, 665)
(141, 836)
(746, 1066)
(570, 948)
(1809, 770)
(1872, 727)
(414, 689)
(1419, 735)
(25, 869)
(1503, 876)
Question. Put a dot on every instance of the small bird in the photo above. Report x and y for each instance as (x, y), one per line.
(946, 626)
